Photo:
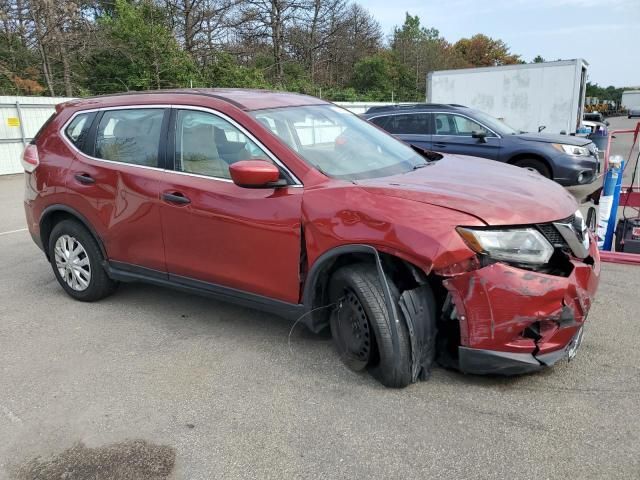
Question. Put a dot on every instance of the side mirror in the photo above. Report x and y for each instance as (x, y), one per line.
(606, 122)
(541, 127)
(255, 174)
(481, 136)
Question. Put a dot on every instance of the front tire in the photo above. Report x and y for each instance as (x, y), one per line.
(360, 326)
(77, 262)
(534, 165)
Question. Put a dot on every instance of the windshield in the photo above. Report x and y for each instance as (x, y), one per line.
(339, 143)
(493, 123)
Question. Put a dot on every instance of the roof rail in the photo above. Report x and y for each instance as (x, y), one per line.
(411, 106)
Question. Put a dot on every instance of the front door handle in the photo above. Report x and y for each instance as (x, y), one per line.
(85, 178)
(175, 197)
(440, 145)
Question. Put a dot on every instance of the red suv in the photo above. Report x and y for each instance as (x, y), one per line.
(292, 205)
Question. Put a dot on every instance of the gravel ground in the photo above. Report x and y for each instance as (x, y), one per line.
(155, 384)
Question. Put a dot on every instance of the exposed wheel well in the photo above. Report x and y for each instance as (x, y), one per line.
(532, 156)
(55, 216)
(405, 276)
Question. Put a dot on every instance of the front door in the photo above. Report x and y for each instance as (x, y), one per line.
(217, 232)
(452, 133)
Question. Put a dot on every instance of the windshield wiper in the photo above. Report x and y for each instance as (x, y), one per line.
(420, 165)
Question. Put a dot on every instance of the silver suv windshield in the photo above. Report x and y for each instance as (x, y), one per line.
(339, 143)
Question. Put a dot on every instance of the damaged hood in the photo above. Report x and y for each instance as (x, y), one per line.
(496, 193)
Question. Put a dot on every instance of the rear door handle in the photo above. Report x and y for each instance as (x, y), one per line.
(175, 197)
(440, 145)
(85, 178)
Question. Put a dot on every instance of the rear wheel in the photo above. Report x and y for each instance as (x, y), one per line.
(534, 165)
(77, 262)
(361, 327)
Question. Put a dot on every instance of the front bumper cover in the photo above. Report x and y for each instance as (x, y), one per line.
(483, 362)
(516, 321)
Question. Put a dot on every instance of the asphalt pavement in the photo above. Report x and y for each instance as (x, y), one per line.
(155, 384)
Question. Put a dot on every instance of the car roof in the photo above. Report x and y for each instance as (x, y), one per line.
(415, 107)
(245, 99)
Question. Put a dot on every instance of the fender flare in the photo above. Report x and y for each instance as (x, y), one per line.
(408, 308)
(51, 209)
(325, 261)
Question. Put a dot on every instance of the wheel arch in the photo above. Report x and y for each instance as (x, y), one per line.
(533, 156)
(54, 214)
(315, 291)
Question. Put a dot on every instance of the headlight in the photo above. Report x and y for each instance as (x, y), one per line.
(572, 150)
(521, 245)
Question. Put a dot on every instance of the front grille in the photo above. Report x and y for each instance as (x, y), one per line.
(551, 233)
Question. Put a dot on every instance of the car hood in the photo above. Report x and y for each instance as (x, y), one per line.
(553, 138)
(496, 193)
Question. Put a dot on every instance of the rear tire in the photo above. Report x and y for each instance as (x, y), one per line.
(533, 164)
(366, 341)
(77, 262)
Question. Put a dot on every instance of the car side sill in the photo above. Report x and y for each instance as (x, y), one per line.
(125, 272)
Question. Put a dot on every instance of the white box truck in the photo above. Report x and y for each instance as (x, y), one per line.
(526, 96)
(631, 102)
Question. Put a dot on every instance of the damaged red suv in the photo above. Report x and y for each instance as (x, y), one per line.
(292, 205)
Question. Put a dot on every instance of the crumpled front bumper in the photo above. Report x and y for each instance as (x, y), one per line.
(516, 321)
(483, 362)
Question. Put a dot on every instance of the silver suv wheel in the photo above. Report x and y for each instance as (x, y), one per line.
(72, 262)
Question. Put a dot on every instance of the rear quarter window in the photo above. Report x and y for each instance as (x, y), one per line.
(78, 129)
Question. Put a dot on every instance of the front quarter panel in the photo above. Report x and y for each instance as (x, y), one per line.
(423, 234)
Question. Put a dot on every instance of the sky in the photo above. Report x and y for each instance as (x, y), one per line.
(606, 33)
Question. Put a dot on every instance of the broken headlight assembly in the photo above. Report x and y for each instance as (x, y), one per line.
(524, 246)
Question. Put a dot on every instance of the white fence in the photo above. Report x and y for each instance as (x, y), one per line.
(20, 119)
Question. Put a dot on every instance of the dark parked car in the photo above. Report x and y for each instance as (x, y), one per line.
(465, 131)
(594, 117)
(289, 204)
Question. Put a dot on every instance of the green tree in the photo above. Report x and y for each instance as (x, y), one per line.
(538, 59)
(18, 72)
(224, 71)
(602, 93)
(483, 51)
(418, 50)
(372, 74)
(137, 51)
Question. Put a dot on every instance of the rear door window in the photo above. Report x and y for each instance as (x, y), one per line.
(130, 136)
(408, 124)
(380, 121)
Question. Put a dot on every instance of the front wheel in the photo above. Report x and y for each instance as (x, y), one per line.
(534, 165)
(360, 326)
(77, 262)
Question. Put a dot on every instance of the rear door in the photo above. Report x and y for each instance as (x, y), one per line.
(411, 128)
(116, 179)
(452, 133)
